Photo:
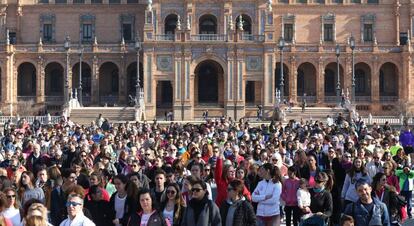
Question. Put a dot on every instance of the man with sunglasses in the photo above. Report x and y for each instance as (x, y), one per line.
(201, 210)
(76, 217)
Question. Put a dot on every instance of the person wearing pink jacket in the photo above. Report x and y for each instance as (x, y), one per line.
(289, 189)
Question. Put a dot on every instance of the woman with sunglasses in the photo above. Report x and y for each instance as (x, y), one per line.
(147, 214)
(12, 209)
(236, 210)
(173, 204)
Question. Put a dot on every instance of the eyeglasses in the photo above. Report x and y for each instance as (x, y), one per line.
(147, 154)
(83, 156)
(230, 189)
(10, 196)
(196, 189)
(347, 156)
(68, 204)
(133, 166)
(206, 169)
(170, 192)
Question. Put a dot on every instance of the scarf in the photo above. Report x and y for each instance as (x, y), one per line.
(198, 206)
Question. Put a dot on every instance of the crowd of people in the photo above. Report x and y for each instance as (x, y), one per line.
(220, 172)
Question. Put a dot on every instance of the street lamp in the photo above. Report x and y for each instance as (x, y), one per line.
(138, 48)
(281, 45)
(352, 45)
(80, 76)
(66, 45)
(338, 83)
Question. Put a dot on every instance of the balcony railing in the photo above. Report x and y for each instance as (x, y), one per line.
(26, 98)
(208, 37)
(253, 38)
(54, 99)
(164, 37)
(108, 100)
(330, 99)
(387, 99)
(363, 98)
(309, 99)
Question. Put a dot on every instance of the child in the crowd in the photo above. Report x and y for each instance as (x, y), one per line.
(346, 220)
(289, 190)
(304, 199)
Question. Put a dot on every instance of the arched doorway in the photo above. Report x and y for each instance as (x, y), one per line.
(170, 24)
(306, 82)
(247, 23)
(285, 79)
(108, 84)
(331, 81)
(362, 82)
(86, 81)
(132, 77)
(26, 80)
(164, 98)
(208, 24)
(209, 83)
(54, 83)
(388, 82)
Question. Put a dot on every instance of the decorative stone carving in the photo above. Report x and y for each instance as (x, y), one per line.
(254, 63)
(164, 62)
(179, 22)
(240, 23)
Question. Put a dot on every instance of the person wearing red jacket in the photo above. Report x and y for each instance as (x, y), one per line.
(223, 177)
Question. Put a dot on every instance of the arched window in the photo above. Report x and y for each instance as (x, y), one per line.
(247, 23)
(170, 24)
(208, 24)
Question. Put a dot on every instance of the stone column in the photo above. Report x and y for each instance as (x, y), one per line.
(320, 82)
(178, 95)
(40, 81)
(293, 76)
(122, 92)
(240, 100)
(95, 81)
(269, 88)
(375, 76)
(149, 84)
(187, 106)
(229, 86)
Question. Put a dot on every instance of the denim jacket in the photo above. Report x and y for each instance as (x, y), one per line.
(379, 216)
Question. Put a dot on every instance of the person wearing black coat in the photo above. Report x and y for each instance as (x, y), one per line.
(236, 210)
(146, 207)
(98, 208)
(130, 203)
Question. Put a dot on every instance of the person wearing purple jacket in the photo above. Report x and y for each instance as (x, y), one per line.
(407, 141)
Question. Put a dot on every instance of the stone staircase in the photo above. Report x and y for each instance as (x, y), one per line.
(314, 113)
(86, 115)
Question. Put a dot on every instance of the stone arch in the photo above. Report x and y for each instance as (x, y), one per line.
(54, 79)
(26, 79)
(331, 79)
(209, 83)
(247, 23)
(170, 23)
(132, 77)
(388, 80)
(108, 83)
(86, 79)
(208, 24)
(285, 78)
(362, 80)
(306, 79)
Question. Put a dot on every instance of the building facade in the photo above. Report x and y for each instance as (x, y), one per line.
(220, 55)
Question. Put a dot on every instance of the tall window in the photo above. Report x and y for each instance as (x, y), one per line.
(368, 33)
(328, 32)
(86, 32)
(208, 24)
(127, 32)
(12, 37)
(359, 82)
(47, 32)
(288, 32)
(170, 24)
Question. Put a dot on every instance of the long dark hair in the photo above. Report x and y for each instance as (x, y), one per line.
(376, 180)
(273, 171)
(179, 201)
(354, 170)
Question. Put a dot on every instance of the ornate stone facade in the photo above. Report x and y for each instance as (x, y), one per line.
(220, 55)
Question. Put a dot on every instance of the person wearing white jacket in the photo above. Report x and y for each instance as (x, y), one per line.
(267, 195)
